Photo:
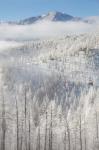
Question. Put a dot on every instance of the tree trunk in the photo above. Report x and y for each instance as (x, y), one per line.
(17, 117)
(3, 126)
(80, 133)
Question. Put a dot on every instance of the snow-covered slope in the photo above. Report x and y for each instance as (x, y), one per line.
(61, 73)
(49, 91)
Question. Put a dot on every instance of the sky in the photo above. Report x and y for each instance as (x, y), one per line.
(20, 9)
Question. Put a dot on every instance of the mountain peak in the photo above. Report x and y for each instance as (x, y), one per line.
(55, 13)
(50, 16)
(57, 16)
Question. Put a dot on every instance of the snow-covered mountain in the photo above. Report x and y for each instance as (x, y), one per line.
(54, 16)
(51, 16)
(59, 16)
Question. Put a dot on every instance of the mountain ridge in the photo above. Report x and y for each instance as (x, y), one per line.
(54, 16)
(50, 16)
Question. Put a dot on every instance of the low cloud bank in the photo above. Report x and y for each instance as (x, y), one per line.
(8, 44)
(43, 30)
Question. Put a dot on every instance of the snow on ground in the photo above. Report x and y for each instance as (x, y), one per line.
(64, 70)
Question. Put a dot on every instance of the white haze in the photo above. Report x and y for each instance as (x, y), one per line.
(8, 44)
(43, 29)
(39, 30)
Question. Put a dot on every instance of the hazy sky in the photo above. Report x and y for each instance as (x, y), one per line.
(19, 9)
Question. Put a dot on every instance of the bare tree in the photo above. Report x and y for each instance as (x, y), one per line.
(17, 124)
(97, 125)
(85, 138)
(75, 138)
(49, 141)
(29, 133)
(51, 131)
(4, 128)
(65, 139)
(21, 140)
(45, 146)
(38, 147)
(80, 130)
(25, 112)
(68, 134)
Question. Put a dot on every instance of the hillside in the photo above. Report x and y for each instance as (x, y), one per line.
(49, 93)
